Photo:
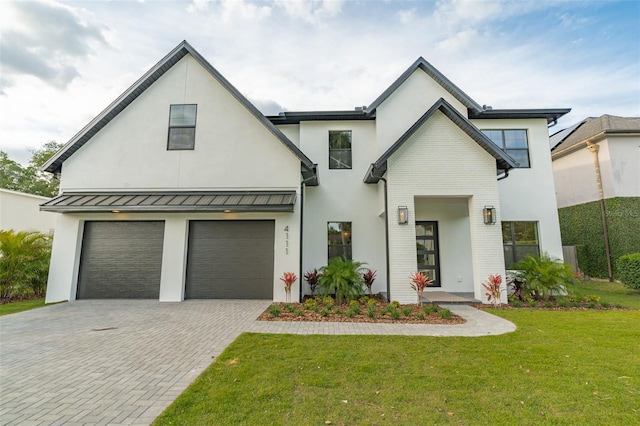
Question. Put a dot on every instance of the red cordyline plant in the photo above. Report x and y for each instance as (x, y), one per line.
(312, 278)
(289, 278)
(494, 289)
(419, 282)
(368, 278)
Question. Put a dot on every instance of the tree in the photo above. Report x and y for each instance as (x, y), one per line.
(30, 179)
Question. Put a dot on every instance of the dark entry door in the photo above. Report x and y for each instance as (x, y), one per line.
(428, 252)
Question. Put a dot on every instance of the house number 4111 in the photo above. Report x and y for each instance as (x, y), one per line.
(286, 239)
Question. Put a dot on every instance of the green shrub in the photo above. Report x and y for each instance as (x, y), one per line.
(628, 269)
(591, 298)
(300, 312)
(445, 313)
(605, 305)
(310, 304)
(354, 308)
(420, 316)
(274, 310)
(563, 303)
(430, 309)
(24, 263)
(394, 304)
(516, 303)
(406, 311)
(548, 304)
(350, 313)
(324, 313)
(395, 314)
(328, 301)
(372, 302)
(371, 311)
(289, 307)
(542, 277)
(591, 304)
(342, 277)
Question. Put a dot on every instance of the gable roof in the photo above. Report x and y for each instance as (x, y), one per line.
(574, 137)
(503, 160)
(54, 164)
(425, 66)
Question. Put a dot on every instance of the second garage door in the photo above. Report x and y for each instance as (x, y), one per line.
(230, 260)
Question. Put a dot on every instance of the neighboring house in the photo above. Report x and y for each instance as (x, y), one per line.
(181, 188)
(596, 166)
(21, 212)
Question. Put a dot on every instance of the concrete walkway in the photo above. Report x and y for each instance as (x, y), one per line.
(121, 362)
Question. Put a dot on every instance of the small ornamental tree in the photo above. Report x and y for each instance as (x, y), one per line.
(312, 278)
(493, 288)
(419, 282)
(288, 278)
(628, 268)
(369, 277)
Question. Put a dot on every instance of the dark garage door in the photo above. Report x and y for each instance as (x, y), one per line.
(121, 260)
(230, 260)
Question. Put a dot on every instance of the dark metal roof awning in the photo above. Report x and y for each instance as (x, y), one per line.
(173, 201)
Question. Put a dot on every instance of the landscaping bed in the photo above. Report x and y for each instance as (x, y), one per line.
(366, 309)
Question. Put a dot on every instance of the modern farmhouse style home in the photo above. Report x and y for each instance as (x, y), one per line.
(182, 189)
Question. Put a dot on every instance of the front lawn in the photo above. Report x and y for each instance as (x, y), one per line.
(614, 293)
(559, 367)
(22, 305)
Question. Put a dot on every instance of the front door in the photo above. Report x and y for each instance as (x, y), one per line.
(427, 250)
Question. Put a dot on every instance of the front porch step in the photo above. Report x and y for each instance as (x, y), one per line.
(449, 298)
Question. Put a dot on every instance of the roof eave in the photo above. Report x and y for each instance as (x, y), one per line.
(550, 115)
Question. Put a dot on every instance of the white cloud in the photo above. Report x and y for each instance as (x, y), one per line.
(406, 15)
(311, 11)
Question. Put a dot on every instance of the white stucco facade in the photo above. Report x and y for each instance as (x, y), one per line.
(619, 160)
(21, 212)
(444, 172)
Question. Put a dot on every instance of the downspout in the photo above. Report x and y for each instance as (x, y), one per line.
(302, 189)
(506, 174)
(603, 212)
(386, 233)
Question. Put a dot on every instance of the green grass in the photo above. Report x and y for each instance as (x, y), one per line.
(558, 367)
(24, 305)
(614, 293)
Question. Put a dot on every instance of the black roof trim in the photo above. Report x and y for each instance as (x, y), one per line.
(296, 117)
(552, 114)
(433, 73)
(503, 160)
(54, 164)
(172, 201)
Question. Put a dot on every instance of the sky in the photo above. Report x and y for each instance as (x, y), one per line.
(63, 62)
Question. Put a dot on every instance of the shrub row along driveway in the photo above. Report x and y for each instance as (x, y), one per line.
(111, 361)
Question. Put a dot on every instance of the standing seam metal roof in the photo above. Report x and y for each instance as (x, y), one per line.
(173, 201)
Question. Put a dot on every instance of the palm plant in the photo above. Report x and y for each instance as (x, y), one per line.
(542, 277)
(342, 277)
(24, 263)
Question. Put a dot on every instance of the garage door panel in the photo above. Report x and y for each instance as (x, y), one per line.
(121, 260)
(230, 260)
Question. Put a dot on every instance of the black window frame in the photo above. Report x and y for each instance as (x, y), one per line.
(346, 247)
(502, 144)
(335, 165)
(182, 126)
(511, 244)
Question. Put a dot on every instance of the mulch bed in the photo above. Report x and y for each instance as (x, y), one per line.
(296, 312)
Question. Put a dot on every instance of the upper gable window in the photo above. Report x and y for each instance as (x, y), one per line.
(513, 142)
(182, 127)
(339, 149)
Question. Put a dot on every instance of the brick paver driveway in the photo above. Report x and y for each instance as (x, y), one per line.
(112, 361)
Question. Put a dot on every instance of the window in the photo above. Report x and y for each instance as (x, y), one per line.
(520, 239)
(513, 142)
(339, 149)
(182, 127)
(339, 239)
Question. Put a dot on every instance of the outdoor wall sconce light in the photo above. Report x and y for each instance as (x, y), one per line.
(489, 213)
(403, 215)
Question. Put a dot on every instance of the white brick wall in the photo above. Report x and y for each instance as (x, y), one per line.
(440, 160)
